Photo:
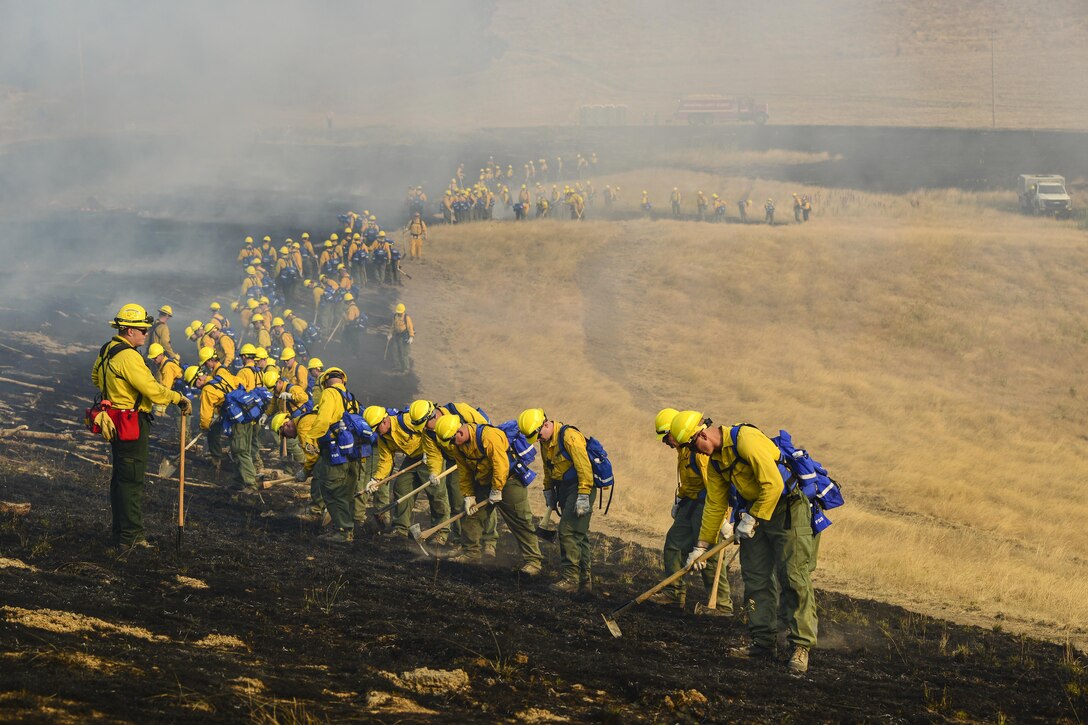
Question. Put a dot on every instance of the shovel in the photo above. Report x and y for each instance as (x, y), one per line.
(710, 606)
(413, 492)
(610, 617)
(181, 481)
(168, 466)
(387, 479)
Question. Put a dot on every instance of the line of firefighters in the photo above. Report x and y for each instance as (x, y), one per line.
(455, 456)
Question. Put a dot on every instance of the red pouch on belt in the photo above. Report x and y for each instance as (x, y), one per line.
(127, 423)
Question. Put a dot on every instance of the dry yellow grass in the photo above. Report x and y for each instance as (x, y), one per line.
(932, 355)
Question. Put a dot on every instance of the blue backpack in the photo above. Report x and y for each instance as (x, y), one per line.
(381, 256)
(598, 461)
(520, 452)
(244, 406)
(360, 257)
(799, 472)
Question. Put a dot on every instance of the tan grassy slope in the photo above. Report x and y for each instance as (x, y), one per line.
(932, 357)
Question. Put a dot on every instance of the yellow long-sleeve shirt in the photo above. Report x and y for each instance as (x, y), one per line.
(298, 398)
(126, 377)
(160, 333)
(212, 394)
(487, 467)
(691, 468)
(329, 409)
(305, 427)
(248, 376)
(557, 466)
(298, 324)
(755, 476)
(403, 323)
(413, 445)
(287, 340)
(224, 348)
(168, 374)
(295, 372)
(262, 338)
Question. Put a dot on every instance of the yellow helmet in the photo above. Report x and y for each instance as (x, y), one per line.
(305, 235)
(264, 299)
(419, 412)
(154, 350)
(288, 312)
(252, 303)
(400, 309)
(262, 354)
(347, 230)
(330, 372)
(348, 297)
(249, 240)
(530, 421)
(374, 414)
(270, 377)
(283, 250)
(257, 261)
(188, 332)
(685, 425)
(356, 235)
(381, 235)
(132, 315)
(277, 322)
(257, 317)
(234, 306)
(663, 421)
(251, 269)
(446, 428)
(167, 310)
(249, 350)
(267, 238)
(287, 354)
(333, 237)
(214, 307)
(190, 374)
(209, 326)
(372, 218)
(206, 354)
(340, 266)
(328, 243)
(315, 364)
(277, 422)
(196, 325)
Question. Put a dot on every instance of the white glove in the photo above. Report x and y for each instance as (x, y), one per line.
(284, 395)
(261, 421)
(470, 504)
(495, 496)
(675, 507)
(549, 498)
(301, 475)
(411, 339)
(695, 554)
(746, 527)
(432, 481)
(389, 336)
(727, 530)
(581, 506)
(372, 485)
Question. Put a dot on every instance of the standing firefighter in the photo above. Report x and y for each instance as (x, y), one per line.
(569, 489)
(675, 198)
(481, 453)
(687, 518)
(401, 334)
(160, 331)
(775, 533)
(124, 379)
(768, 212)
(417, 232)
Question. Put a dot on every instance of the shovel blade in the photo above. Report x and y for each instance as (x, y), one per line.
(167, 468)
(613, 628)
(546, 534)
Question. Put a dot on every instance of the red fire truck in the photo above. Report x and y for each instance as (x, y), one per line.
(709, 108)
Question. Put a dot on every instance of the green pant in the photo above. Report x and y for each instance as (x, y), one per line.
(337, 490)
(214, 439)
(515, 510)
(364, 471)
(785, 544)
(574, 533)
(457, 505)
(401, 352)
(241, 450)
(680, 540)
(294, 455)
(440, 504)
(127, 485)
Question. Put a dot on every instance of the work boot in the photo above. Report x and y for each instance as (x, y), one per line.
(667, 599)
(753, 651)
(337, 536)
(716, 612)
(463, 557)
(798, 662)
(530, 569)
(564, 586)
(139, 544)
(489, 550)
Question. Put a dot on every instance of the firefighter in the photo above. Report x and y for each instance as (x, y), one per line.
(291, 399)
(701, 206)
(774, 533)
(484, 466)
(796, 208)
(280, 338)
(216, 311)
(402, 333)
(423, 415)
(687, 517)
(675, 200)
(806, 207)
(577, 206)
(291, 368)
(719, 208)
(645, 204)
(309, 256)
(742, 209)
(314, 368)
(167, 372)
(160, 331)
(123, 378)
(354, 323)
(247, 252)
(381, 254)
(335, 477)
(568, 489)
(260, 334)
(214, 385)
(221, 342)
(395, 435)
(417, 233)
(768, 212)
(447, 207)
(298, 325)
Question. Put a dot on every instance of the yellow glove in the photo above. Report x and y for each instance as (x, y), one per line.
(105, 423)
